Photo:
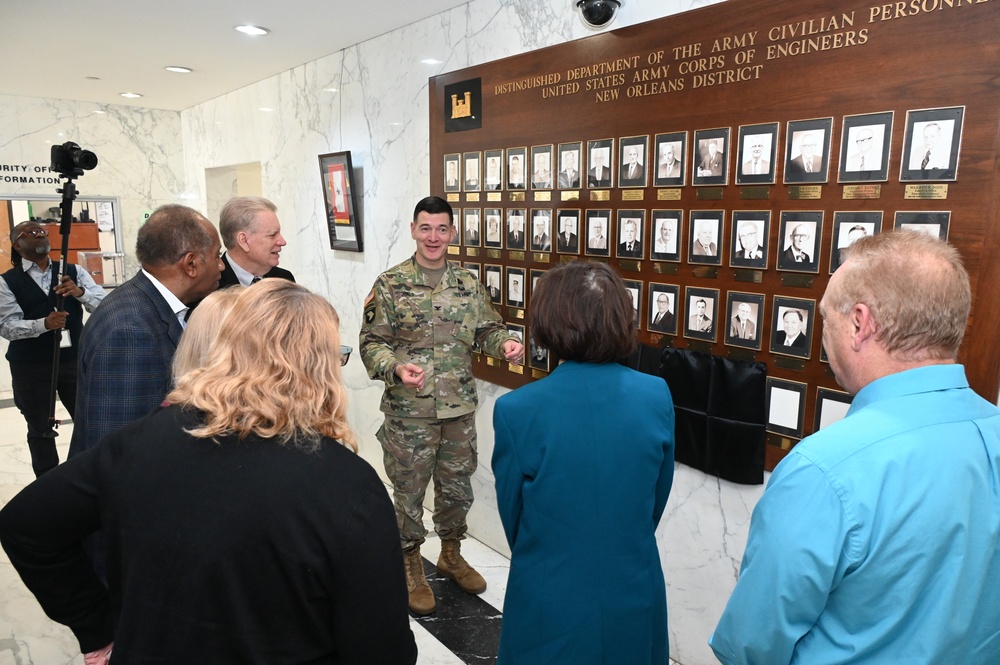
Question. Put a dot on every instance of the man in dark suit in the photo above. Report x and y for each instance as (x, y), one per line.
(540, 242)
(599, 175)
(796, 252)
(670, 166)
(129, 341)
(569, 176)
(663, 318)
(792, 334)
(807, 161)
(630, 246)
(252, 236)
(633, 173)
(567, 240)
(742, 326)
(711, 164)
(515, 236)
(700, 321)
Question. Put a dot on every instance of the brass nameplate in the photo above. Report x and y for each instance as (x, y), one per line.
(745, 355)
(710, 194)
(705, 272)
(573, 195)
(755, 193)
(600, 195)
(516, 197)
(665, 268)
(699, 346)
(668, 194)
(473, 197)
(752, 276)
(854, 192)
(454, 198)
(516, 369)
(800, 281)
(803, 192)
(515, 312)
(790, 363)
(494, 196)
(633, 194)
(491, 361)
(538, 374)
(783, 442)
(493, 253)
(541, 257)
(598, 259)
(926, 192)
(454, 249)
(471, 252)
(630, 266)
(543, 196)
(516, 256)
(662, 341)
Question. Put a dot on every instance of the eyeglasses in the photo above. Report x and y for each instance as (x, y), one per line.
(34, 233)
(345, 355)
(864, 140)
(805, 236)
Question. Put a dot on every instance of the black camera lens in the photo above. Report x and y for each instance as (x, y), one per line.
(70, 159)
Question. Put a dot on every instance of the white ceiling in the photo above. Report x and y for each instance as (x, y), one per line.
(48, 48)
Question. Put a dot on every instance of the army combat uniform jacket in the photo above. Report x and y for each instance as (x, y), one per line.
(406, 321)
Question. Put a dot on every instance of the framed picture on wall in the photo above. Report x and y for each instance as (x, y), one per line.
(758, 146)
(792, 326)
(702, 312)
(494, 232)
(663, 311)
(472, 227)
(931, 145)
(706, 236)
(452, 175)
(598, 231)
(459, 214)
(864, 147)
(785, 407)
(569, 165)
(541, 166)
(849, 226)
(493, 180)
(538, 355)
(494, 283)
(600, 163)
(710, 157)
(745, 313)
(666, 227)
(670, 150)
(472, 170)
(515, 228)
(831, 406)
(799, 241)
(634, 158)
(748, 247)
(631, 224)
(807, 150)
(475, 268)
(515, 287)
(534, 276)
(343, 223)
(933, 223)
(516, 158)
(541, 230)
(567, 231)
(634, 288)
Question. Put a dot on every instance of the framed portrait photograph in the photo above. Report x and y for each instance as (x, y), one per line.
(598, 231)
(475, 268)
(702, 311)
(746, 318)
(568, 231)
(670, 151)
(570, 165)
(864, 147)
(471, 227)
(342, 212)
(494, 233)
(666, 227)
(541, 230)
(515, 230)
(535, 274)
(807, 150)
(931, 222)
(631, 224)
(494, 283)
(515, 287)
(538, 356)
(600, 162)
(634, 159)
(662, 310)
(456, 237)
(792, 323)
(758, 148)
(493, 180)
(710, 157)
(452, 172)
(785, 403)
(472, 170)
(848, 226)
(516, 159)
(516, 330)
(799, 237)
(748, 245)
(634, 288)
(706, 233)
(541, 166)
(831, 406)
(931, 144)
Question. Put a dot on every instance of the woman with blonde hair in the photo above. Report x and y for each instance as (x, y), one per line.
(241, 526)
(202, 329)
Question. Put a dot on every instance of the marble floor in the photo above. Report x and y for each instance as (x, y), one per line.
(464, 630)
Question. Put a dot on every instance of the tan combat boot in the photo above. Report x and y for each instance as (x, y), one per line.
(421, 596)
(452, 565)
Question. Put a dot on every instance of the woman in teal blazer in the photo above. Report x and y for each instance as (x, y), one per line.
(584, 461)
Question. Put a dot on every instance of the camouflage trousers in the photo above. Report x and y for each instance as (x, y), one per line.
(415, 450)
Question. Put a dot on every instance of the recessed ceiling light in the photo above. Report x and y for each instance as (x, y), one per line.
(252, 30)
(330, 90)
(99, 111)
(178, 70)
(131, 95)
(430, 61)
(265, 109)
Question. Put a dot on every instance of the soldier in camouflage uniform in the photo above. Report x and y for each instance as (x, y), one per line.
(421, 321)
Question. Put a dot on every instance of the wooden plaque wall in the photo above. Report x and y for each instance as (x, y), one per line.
(747, 63)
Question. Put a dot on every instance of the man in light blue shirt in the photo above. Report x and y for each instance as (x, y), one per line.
(878, 538)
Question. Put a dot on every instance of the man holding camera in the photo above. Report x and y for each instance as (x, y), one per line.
(28, 319)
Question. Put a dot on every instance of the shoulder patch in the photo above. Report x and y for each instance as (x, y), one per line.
(370, 307)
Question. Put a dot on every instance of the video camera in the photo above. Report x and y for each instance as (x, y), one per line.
(70, 160)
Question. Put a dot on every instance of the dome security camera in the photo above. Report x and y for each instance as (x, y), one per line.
(598, 13)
